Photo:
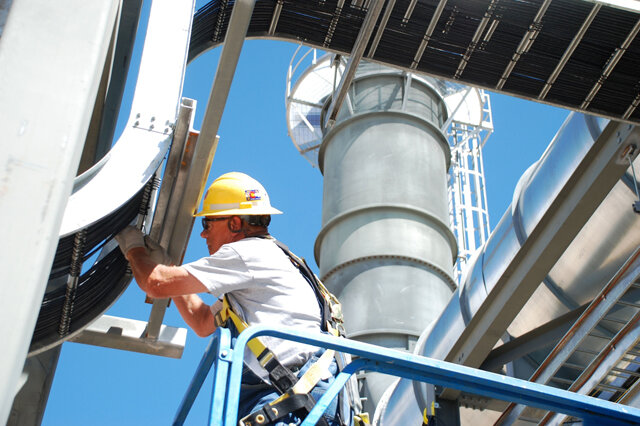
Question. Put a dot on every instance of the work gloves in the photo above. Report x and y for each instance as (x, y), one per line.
(156, 252)
(131, 237)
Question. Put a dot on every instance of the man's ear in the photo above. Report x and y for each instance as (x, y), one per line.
(235, 224)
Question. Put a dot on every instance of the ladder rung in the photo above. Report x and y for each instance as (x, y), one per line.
(630, 304)
(597, 336)
(624, 371)
(615, 321)
(561, 380)
(631, 360)
(633, 352)
(574, 366)
(606, 387)
(586, 351)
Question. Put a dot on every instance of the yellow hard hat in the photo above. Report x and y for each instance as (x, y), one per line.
(236, 193)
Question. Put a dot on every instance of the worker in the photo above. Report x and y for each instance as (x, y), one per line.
(258, 279)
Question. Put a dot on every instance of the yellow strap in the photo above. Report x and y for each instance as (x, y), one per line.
(313, 375)
(255, 345)
(310, 378)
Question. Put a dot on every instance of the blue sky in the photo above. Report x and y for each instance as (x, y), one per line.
(99, 386)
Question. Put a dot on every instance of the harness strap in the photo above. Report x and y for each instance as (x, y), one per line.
(280, 376)
(280, 408)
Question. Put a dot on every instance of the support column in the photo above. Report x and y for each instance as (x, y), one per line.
(51, 62)
(385, 248)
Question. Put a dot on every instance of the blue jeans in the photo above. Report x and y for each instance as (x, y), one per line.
(255, 394)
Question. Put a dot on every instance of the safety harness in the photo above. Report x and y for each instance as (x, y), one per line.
(295, 392)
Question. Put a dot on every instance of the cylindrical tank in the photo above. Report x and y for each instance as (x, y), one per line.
(385, 248)
(597, 252)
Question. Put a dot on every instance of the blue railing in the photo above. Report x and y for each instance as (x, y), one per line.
(228, 363)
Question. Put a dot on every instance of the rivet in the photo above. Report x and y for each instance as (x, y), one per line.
(260, 418)
(274, 411)
(224, 353)
(136, 123)
(138, 115)
(151, 126)
(153, 119)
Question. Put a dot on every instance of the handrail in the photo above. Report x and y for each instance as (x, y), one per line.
(226, 393)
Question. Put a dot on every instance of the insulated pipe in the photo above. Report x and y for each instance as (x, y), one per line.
(385, 248)
(595, 254)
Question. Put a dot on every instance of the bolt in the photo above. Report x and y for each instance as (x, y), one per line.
(153, 119)
(151, 127)
(136, 124)
(224, 353)
(138, 115)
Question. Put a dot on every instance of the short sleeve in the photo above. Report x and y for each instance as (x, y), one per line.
(222, 272)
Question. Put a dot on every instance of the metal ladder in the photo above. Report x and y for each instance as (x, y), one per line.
(600, 354)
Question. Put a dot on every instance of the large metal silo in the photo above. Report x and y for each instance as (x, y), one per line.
(385, 247)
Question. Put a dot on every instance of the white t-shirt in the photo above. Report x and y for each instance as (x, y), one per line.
(263, 287)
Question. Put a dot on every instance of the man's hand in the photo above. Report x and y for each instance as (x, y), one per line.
(130, 237)
(156, 252)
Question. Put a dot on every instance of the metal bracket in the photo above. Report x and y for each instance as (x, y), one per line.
(127, 334)
(152, 123)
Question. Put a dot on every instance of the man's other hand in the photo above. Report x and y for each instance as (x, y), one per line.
(129, 238)
(156, 252)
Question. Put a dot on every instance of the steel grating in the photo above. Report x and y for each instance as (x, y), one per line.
(575, 54)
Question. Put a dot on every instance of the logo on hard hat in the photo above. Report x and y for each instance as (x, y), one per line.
(252, 194)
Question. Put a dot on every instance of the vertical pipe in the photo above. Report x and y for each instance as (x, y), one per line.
(385, 248)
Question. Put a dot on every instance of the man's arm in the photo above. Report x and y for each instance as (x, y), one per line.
(161, 281)
(197, 314)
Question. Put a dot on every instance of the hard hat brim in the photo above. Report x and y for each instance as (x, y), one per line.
(254, 211)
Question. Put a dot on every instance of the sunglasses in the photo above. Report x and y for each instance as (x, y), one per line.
(206, 220)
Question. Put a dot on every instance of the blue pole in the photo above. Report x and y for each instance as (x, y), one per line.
(220, 341)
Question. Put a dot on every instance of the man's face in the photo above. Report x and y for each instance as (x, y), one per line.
(216, 232)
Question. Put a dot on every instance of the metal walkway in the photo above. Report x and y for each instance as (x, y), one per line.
(600, 354)
(227, 365)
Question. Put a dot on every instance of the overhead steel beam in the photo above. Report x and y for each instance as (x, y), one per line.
(428, 34)
(598, 170)
(611, 64)
(525, 44)
(51, 78)
(275, 17)
(476, 38)
(334, 22)
(354, 59)
(381, 28)
(632, 107)
(569, 51)
(207, 140)
(409, 12)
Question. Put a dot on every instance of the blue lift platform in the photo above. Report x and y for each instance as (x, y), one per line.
(227, 363)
